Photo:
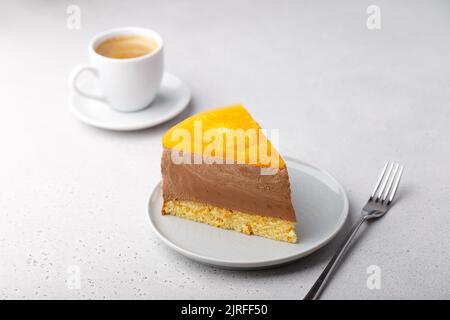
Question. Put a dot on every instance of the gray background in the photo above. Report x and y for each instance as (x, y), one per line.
(346, 99)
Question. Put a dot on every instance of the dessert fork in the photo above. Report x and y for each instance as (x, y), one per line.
(380, 201)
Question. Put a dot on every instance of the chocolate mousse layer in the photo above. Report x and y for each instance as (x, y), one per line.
(238, 187)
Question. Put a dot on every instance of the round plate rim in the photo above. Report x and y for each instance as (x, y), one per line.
(237, 265)
(148, 124)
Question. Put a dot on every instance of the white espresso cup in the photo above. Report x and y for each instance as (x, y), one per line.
(128, 84)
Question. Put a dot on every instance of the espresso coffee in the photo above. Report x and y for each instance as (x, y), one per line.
(126, 47)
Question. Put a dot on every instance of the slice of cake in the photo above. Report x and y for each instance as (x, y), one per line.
(219, 168)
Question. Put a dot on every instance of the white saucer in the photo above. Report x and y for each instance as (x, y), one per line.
(319, 201)
(172, 99)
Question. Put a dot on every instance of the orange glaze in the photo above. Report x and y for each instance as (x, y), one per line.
(229, 133)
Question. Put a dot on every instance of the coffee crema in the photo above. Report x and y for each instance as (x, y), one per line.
(127, 46)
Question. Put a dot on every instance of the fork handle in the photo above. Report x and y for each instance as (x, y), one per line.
(320, 283)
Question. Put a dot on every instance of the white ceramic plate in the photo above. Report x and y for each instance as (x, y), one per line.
(321, 206)
(172, 99)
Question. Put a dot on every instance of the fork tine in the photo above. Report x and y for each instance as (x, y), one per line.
(397, 182)
(390, 183)
(379, 181)
(385, 180)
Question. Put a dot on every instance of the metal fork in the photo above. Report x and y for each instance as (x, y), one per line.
(380, 201)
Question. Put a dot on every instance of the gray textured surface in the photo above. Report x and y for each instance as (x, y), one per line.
(345, 98)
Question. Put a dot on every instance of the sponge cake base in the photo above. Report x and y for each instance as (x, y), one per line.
(250, 224)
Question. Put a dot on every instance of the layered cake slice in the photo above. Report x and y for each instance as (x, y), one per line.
(219, 168)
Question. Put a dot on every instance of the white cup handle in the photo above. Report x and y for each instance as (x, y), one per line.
(73, 81)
